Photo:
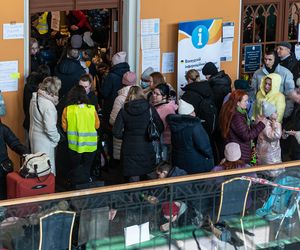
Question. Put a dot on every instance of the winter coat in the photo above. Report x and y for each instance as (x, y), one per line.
(268, 144)
(191, 149)
(8, 138)
(112, 83)
(164, 110)
(137, 152)
(274, 97)
(221, 86)
(287, 84)
(118, 104)
(193, 94)
(241, 133)
(43, 134)
(292, 64)
(68, 71)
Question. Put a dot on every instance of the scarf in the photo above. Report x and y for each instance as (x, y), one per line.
(272, 70)
(53, 99)
(244, 113)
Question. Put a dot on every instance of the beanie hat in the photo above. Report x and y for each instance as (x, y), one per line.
(146, 74)
(166, 209)
(209, 69)
(76, 41)
(185, 108)
(232, 151)
(285, 44)
(268, 109)
(87, 39)
(119, 58)
(129, 78)
(242, 84)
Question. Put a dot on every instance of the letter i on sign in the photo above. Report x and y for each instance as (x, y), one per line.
(200, 37)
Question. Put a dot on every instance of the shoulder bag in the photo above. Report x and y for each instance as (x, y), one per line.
(35, 165)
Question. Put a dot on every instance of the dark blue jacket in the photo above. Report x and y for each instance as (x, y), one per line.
(110, 87)
(7, 137)
(68, 71)
(191, 150)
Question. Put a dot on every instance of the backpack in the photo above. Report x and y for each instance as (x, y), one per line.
(207, 111)
(282, 202)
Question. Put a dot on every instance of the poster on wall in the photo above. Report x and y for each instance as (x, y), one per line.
(199, 42)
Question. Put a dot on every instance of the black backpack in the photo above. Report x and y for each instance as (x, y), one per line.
(208, 112)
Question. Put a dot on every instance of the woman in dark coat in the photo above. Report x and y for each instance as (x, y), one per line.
(235, 124)
(191, 149)
(137, 152)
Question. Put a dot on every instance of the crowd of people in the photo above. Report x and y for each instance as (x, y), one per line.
(215, 125)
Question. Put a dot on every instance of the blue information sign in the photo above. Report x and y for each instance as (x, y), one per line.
(252, 58)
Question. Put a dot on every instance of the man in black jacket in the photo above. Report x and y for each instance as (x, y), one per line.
(219, 81)
(69, 71)
(288, 59)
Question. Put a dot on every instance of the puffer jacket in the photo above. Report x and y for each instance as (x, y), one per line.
(118, 104)
(241, 133)
(191, 149)
(274, 97)
(137, 152)
(68, 71)
(164, 110)
(268, 144)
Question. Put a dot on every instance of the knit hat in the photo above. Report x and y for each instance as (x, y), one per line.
(285, 44)
(76, 41)
(185, 108)
(129, 78)
(242, 84)
(119, 57)
(146, 74)
(268, 109)
(87, 39)
(232, 151)
(209, 69)
(166, 209)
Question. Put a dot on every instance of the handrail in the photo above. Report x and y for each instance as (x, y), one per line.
(144, 184)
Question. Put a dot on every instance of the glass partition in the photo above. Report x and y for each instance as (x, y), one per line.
(240, 209)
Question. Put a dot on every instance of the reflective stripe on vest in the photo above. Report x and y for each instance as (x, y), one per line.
(81, 132)
(42, 26)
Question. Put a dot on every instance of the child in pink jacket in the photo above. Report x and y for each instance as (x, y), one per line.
(268, 143)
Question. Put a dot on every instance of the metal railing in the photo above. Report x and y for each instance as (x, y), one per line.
(113, 217)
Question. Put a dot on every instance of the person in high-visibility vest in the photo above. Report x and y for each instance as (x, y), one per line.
(80, 121)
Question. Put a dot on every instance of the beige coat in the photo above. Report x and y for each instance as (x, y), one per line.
(118, 104)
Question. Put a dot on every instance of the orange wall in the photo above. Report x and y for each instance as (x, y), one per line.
(171, 12)
(13, 11)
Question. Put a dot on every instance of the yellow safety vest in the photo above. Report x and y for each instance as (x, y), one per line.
(81, 132)
(42, 26)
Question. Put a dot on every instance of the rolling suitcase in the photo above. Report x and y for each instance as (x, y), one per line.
(18, 186)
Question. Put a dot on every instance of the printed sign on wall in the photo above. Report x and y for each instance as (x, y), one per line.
(199, 42)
